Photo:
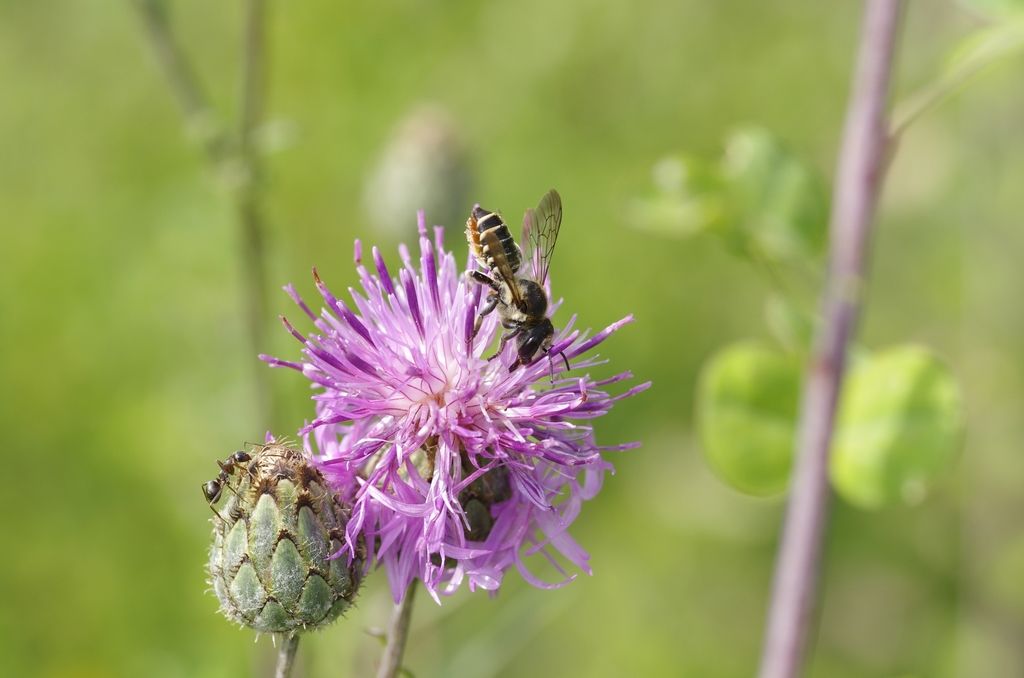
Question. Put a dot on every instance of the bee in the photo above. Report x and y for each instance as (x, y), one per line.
(492, 487)
(520, 300)
(212, 488)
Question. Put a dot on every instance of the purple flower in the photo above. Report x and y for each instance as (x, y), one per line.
(455, 467)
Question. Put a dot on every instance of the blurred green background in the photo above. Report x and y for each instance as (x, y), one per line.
(125, 368)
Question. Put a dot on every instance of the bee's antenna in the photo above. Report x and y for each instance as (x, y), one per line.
(565, 360)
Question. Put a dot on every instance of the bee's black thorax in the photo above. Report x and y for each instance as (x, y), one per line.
(535, 301)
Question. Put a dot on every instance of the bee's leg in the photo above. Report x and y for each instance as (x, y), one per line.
(551, 364)
(492, 303)
(482, 278)
(492, 299)
(512, 334)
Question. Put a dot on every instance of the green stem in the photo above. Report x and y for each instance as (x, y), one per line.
(248, 202)
(235, 160)
(286, 656)
(398, 634)
(199, 117)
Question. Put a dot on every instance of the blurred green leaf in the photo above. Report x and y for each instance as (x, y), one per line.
(686, 199)
(766, 202)
(985, 47)
(788, 323)
(899, 426)
(776, 202)
(746, 412)
(974, 54)
(996, 9)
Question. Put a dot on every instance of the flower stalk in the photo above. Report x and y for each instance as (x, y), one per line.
(861, 166)
(286, 656)
(398, 634)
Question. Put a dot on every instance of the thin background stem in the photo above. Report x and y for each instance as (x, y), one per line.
(398, 633)
(861, 165)
(234, 160)
(248, 198)
(199, 117)
(237, 161)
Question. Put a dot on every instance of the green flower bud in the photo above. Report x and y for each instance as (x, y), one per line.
(276, 524)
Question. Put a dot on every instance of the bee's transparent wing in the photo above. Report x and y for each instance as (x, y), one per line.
(499, 264)
(540, 232)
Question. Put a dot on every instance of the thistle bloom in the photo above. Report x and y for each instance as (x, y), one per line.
(455, 467)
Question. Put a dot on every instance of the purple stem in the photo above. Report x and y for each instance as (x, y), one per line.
(861, 165)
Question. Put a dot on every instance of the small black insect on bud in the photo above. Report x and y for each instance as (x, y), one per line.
(276, 527)
(211, 490)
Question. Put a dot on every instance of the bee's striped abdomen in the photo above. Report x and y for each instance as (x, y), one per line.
(498, 242)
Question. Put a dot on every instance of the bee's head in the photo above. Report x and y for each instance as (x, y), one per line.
(537, 339)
